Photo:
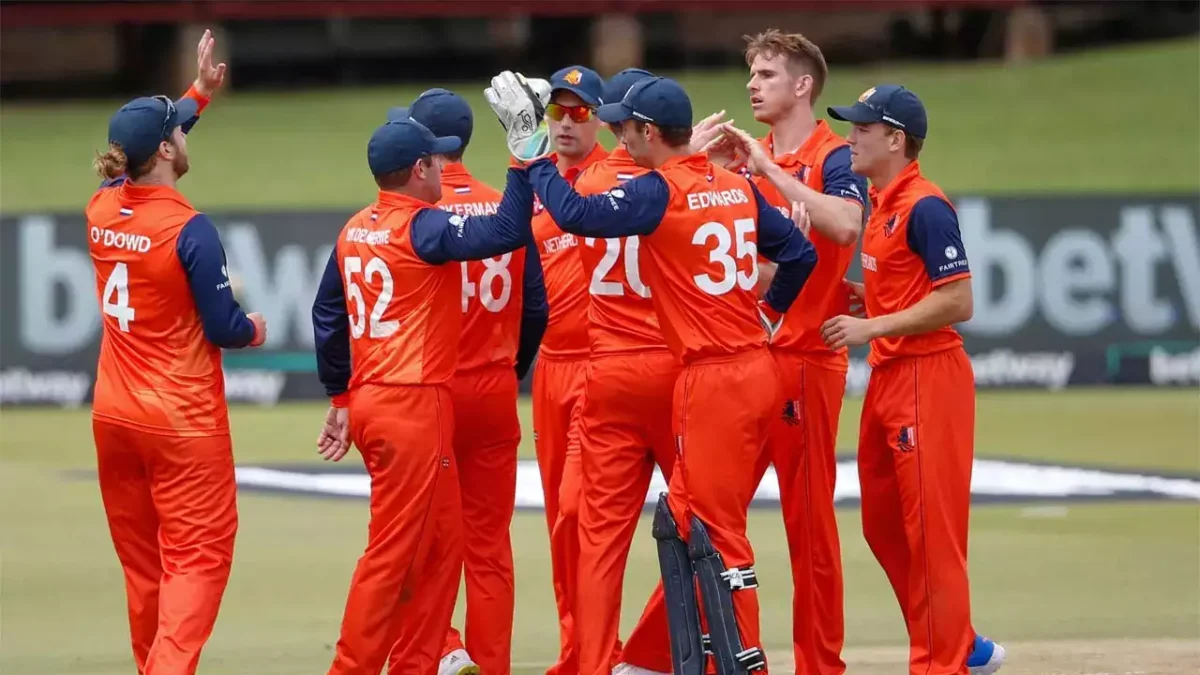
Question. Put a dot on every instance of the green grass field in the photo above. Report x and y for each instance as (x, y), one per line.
(1116, 580)
(1119, 120)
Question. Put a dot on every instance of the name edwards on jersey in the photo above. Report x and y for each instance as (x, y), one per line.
(704, 200)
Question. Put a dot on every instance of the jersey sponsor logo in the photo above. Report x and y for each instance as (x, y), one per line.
(802, 174)
(459, 224)
(139, 243)
(361, 235)
(560, 243)
(869, 264)
(704, 200)
(472, 208)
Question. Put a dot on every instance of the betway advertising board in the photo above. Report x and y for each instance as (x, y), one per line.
(1068, 291)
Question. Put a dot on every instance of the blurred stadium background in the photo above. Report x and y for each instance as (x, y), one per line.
(1067, 133)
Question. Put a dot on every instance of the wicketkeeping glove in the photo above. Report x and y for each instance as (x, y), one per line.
(522, 113)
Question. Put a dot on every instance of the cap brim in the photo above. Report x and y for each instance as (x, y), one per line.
(855, 114)
(398, 114)
(585, 96)
(185, 109)
(446, 144)
(614, 113)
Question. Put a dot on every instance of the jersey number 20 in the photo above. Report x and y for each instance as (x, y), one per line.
(358, 320)
(720, 254)
(633, 275)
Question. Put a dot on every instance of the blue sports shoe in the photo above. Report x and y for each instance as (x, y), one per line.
(986, 657)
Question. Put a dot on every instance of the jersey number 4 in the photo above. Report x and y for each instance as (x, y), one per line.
(633, 274)
(117, 289)
(493, 269)
(358, 320)
(720, 255)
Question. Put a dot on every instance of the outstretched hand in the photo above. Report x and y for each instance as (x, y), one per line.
(520, 110)
(209, 78)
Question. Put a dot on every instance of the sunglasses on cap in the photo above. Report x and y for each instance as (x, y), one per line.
(578, 113)
(165, 133)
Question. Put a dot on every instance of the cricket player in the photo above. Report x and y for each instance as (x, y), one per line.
(803, 161)
(916, 439)
(159, 415)
(558, 375)
(387, 321)
(701, 228)
(625, 423)
(504, 315)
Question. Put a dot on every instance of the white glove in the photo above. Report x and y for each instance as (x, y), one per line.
(541, 88)
(521, 113)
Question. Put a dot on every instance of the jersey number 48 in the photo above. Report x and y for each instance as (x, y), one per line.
(493, 269)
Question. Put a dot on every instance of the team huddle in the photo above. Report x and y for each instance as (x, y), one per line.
(683, 305)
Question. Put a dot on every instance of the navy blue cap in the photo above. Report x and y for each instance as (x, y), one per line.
(581, 81)
(400, 143)
(441, 111)
(658, 100)
(143, 123)
(618, 85)
(890, 104)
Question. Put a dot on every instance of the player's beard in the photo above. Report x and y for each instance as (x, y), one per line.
(180, 164)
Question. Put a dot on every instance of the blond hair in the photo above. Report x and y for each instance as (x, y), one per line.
(804, 57)
(114, 163)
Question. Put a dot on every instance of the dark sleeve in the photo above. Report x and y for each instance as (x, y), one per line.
(634, 208)
(535, 311)
(933, 235)
(782, 242)
(331, 330)
(840, 181)
(439, 236)
(203, 259)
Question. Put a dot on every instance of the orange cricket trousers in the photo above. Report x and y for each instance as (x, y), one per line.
(722, 412)
(915, 452)
(557, 403)
(403, 590)
(171, 504)
(625, 429)
(802, 446)
(486, 435)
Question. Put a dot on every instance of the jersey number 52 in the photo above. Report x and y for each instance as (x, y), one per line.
(358, 319)
(720, 254)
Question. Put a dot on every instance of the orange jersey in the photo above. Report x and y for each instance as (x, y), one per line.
(405, 314)
(566, 286)
(822, 297)
(621, 317)
(911, 245)
(157, 371)
(491, 288)
(703, 261)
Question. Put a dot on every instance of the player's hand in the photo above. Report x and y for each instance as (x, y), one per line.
(706, 132)
(260, 328)
(847, 331)
(334, 440)
(755, 155)
(724, 152)
(801, 218)
(522, 114)
(856, 303)
(209, 78)
(766, 274)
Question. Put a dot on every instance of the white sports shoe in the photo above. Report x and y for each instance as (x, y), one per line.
(458, 662)
(630, 669)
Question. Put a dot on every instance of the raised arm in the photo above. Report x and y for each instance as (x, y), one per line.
(783, 243)
(203, 258)
(535, 311)
(634, 208)
(440, 237)
(331, 332)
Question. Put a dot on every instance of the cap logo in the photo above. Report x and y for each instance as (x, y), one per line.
(574, 77)
(866, 95)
